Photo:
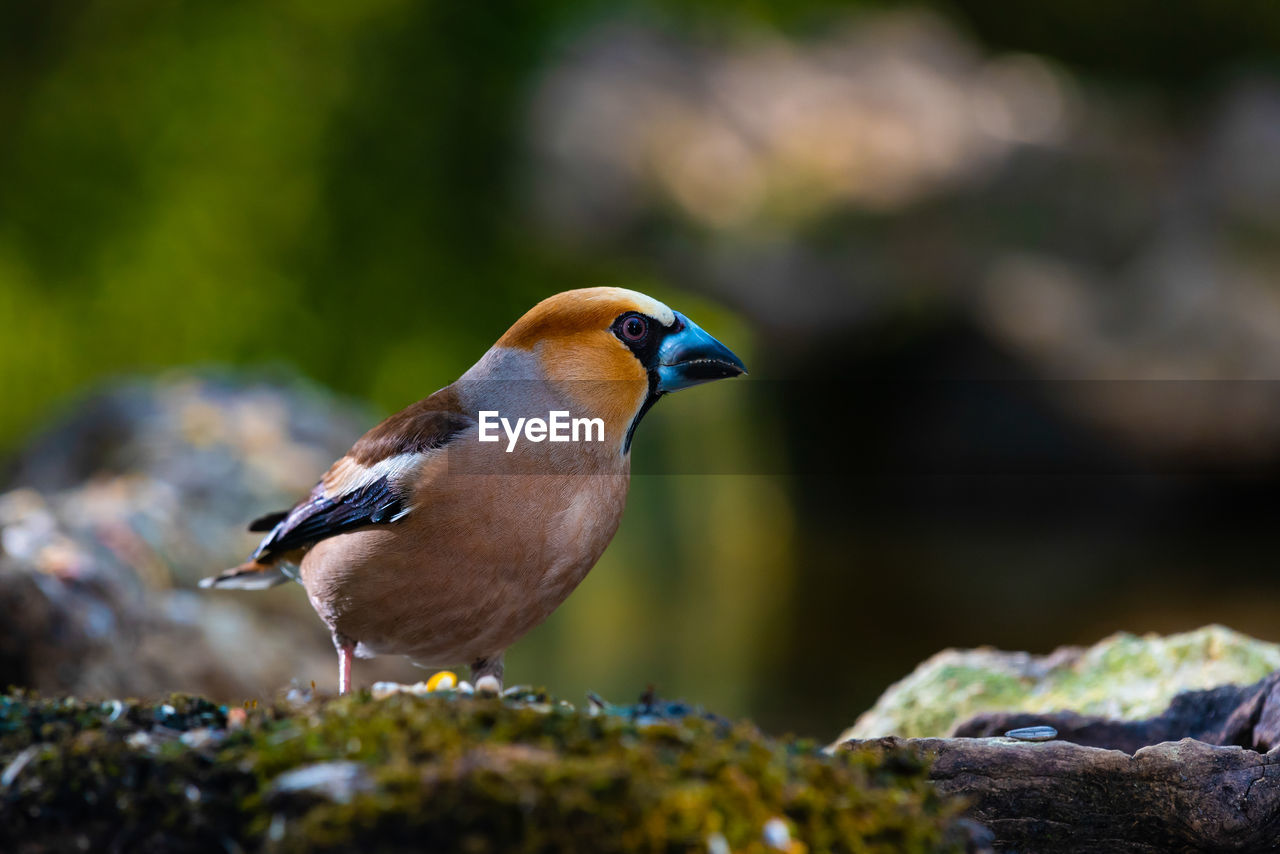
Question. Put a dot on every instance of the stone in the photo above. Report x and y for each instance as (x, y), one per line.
(116, 508)
(1123, 677)
(1062, 797)
(1197, 776)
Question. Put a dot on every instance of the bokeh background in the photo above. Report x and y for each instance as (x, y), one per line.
(1005, 275)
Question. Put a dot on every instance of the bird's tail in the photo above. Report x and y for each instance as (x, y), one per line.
(250, 575)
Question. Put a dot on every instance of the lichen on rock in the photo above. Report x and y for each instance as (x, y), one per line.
(1122, 677)
(445, 772)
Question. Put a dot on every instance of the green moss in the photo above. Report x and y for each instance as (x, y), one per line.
(1124, 677)
(438, 773)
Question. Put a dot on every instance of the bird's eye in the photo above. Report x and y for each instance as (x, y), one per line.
(634, 328)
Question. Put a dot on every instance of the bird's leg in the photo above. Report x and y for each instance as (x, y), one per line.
(346, 651)
(486, 673)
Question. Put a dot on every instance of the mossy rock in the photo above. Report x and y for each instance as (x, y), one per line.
(439, 773)
(1123, 677)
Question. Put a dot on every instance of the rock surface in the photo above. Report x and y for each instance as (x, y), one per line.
(118, 507)
(1242, 715)
(446, 773)
(1203, 775)
(1062, 797)
(1123, 677)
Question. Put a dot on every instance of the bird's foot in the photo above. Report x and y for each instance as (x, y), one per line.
(346, 652)
(487, 674)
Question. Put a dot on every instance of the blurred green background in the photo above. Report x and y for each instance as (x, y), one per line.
(369, 193)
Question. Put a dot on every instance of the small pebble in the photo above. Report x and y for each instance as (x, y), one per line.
(439, 682)
(443, 681)
(382, 690)
(1032, 733)
(487, 685)
(776, 834)
(339, 781)
(14, 768)
(717, 844)
(197, 738)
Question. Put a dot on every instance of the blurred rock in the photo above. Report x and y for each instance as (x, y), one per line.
(1123, 677)
(215, 450)
(894, 174)
(123, 503)
(764, 132)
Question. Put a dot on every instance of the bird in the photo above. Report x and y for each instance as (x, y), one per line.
(446, 533)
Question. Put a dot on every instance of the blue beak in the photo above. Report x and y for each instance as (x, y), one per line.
(690, 356)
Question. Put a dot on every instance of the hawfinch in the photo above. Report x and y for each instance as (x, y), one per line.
(460, 523)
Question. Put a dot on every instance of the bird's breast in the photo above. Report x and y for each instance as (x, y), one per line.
(483, 557)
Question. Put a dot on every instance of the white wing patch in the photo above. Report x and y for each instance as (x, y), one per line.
(348, 476)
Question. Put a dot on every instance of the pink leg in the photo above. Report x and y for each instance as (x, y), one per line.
(346, 651)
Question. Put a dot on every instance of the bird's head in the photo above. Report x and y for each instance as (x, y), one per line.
(616, 351)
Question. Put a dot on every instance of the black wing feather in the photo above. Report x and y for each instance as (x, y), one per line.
(425, 426)
(269, 521)
(313, 520)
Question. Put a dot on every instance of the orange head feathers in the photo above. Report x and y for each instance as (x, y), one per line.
(616, 351)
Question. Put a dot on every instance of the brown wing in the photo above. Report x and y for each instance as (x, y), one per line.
(424, 426)
(368, 486)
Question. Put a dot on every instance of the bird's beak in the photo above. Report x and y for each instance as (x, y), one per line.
(690, 356)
